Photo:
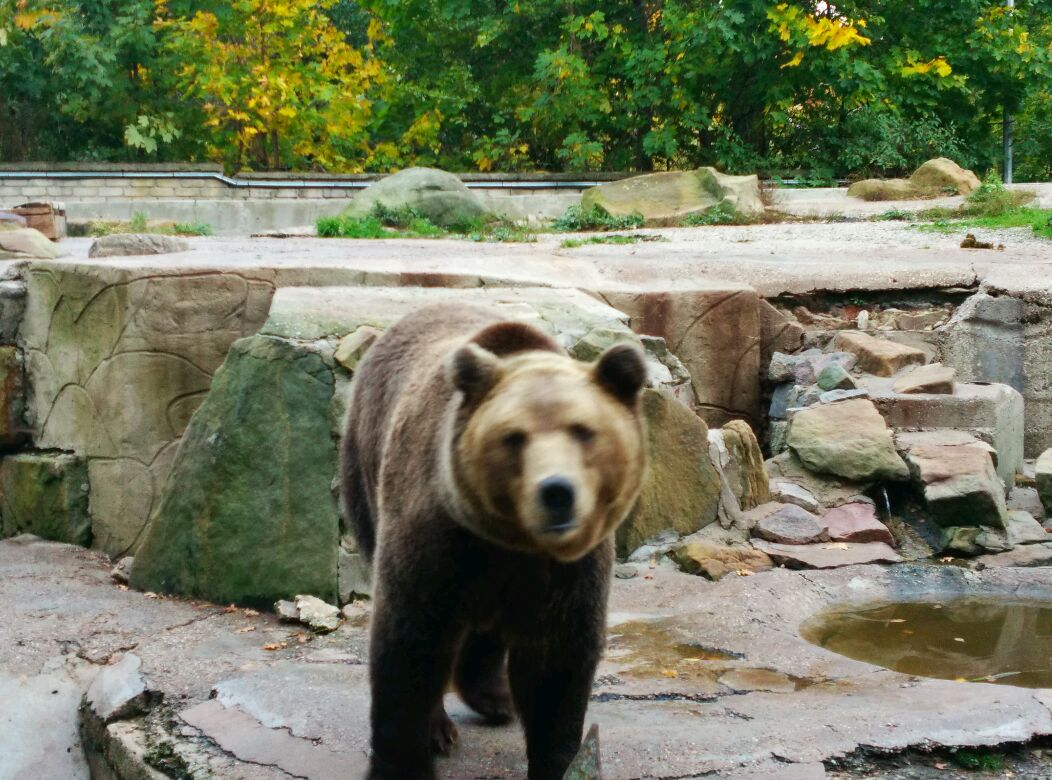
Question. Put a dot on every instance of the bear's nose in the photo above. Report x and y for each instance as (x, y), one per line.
(557, 498)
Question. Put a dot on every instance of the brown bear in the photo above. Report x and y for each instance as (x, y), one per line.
(484, 473)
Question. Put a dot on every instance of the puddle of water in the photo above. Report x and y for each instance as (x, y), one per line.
(1002, 641)
(650, 649)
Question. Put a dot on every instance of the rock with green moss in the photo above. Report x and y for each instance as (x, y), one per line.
(682, 489)
(428, 192)
(248, 514)
(47, 495)
(674, 196)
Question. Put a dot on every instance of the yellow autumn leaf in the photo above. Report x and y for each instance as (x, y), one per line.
(796, 60)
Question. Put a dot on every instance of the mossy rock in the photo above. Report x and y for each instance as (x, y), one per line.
(46, 495)
(682, 488)
(248, 514)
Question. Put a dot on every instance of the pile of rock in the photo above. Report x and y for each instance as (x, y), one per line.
(871, 411)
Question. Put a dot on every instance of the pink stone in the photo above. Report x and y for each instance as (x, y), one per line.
(856, 522)
(828, 555)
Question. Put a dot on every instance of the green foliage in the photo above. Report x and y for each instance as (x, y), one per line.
(721, 214)
(138, 222)
(800, 89)
(577, 219)
(192, 229)
(381, 222)
(978, 760)
(351, 227)
(329, 227)
(896, 215)
(992, 199)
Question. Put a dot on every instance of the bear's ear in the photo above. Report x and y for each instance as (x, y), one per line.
(474, 370)
(621, 371)
(507, 338)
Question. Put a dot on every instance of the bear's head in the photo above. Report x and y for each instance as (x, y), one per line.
(543, 453)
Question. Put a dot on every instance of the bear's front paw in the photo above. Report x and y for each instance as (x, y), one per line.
(444, 732)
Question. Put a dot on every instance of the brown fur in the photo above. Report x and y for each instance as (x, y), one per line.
(456, 417)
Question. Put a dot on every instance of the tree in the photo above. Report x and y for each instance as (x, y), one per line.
(275, 82)
(73, 75)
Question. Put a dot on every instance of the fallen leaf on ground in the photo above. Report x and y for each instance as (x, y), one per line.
(245, 630)
(251, 613)
(276, 646)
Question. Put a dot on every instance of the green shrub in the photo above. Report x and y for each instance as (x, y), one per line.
(576, 219)
(138, 222)
(992, 199)
(329, 227)
(192, 229)
(363, 227)
(722, 213)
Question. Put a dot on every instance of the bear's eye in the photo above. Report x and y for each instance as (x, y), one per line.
(582, 433)
(515, 440)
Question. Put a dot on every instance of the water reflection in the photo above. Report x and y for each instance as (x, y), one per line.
(977, 640)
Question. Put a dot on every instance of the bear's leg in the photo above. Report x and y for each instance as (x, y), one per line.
(551, 676)
(481, 675)
(412, 650)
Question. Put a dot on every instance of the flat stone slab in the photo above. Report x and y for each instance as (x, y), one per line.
(827, 555)
(856, 522)
(790, 525)
(933, 378)
(878, 356)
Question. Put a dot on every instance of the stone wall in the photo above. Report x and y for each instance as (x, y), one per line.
(118, 360)
(116, 191)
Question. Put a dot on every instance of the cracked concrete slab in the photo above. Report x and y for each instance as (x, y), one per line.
(700, 678)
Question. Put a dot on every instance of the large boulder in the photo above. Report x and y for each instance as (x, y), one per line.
(437, 195)
(26, 243)
(670, 197)
(943, 176)
(682, 489)
(45, 494)
(248, 514)
(884, 189)
(848, 439)
(135, 244)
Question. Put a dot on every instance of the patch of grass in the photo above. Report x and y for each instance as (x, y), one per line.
(363, 227)
(350, 227)
(138, 222)
(990, 207)
(329, 227)
(578, 219)
(504, 232)
(722, 213)
(192, 229)
(1039, 220)
(896, 215)
(616, 238)
(978, 760)
(992, 199)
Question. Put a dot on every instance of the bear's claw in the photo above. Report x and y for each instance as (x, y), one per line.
(444, 733)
